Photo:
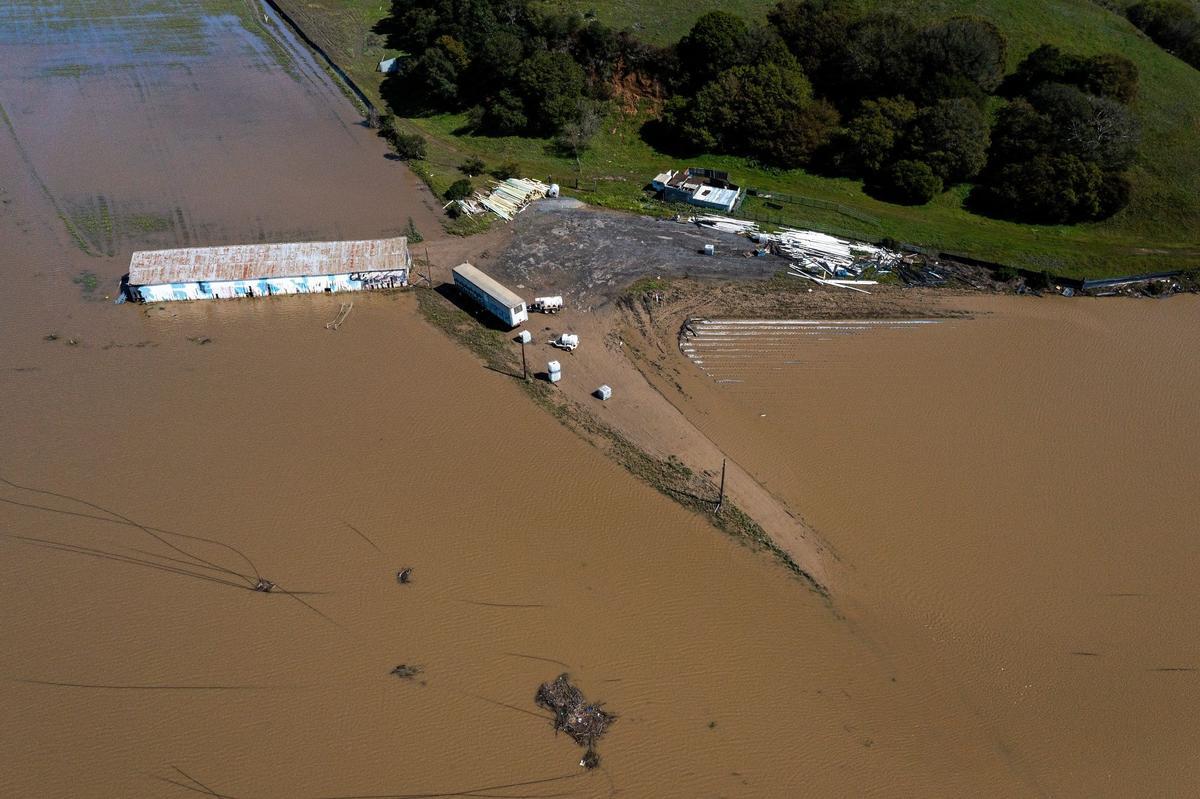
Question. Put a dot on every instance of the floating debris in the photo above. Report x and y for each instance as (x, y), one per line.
(406, 671)
(343, 311)
(584, 722)
(264, 585)
(404, 576)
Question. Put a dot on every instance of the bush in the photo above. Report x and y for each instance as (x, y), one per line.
(408, 146)
(911, 182)
(1004, 274)
(472, 167)
(411, 233)
(459, 190)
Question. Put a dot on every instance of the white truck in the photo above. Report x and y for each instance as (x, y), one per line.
(546, 304)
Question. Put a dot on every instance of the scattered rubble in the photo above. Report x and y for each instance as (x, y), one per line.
(833, 261)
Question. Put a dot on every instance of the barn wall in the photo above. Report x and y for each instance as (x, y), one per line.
(309, 284)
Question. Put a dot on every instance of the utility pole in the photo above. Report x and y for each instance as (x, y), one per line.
(721, 498)
(524, 365)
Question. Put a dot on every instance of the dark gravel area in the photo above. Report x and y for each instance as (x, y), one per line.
(589, 256)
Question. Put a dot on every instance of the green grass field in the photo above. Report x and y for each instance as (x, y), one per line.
(1158, 230)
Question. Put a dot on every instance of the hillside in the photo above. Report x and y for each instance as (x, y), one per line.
(1156, 231)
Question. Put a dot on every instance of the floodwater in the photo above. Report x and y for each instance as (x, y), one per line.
(138, 662)
(1014, 496)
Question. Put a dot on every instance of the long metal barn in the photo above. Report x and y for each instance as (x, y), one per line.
(264, 270)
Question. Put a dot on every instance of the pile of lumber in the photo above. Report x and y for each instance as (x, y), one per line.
(505, 199)
(510, 197)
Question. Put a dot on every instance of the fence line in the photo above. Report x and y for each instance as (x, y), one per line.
(813, 202)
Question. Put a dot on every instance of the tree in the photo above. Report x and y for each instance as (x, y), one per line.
(1093, 128)
(551, 85)
(880, 58)
(1045, 64)
(1020, 130)
(1050, 189)
(597, 48)
(432, 80)
(1172, 24)
(1109, 75)
(963, 51)
(576, 135)
(816, 32)
(459, 190)
(714, 44)
(911, 182)
(762, 111)
(950, 136)
(874, 133)
(505, 114)
(690, 129)
(493, 66)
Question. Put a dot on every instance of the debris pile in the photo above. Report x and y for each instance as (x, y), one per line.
(406, 671)
(830, 260)
(506, 199)
(583, 721)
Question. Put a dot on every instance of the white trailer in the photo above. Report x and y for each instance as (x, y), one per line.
(491, 295)
(546, 304)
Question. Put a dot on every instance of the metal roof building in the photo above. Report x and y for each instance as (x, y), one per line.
(251, 270)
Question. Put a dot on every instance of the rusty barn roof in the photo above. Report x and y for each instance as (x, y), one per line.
(254, 261)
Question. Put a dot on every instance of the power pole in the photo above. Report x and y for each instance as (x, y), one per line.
(721, 497)
(524, 365)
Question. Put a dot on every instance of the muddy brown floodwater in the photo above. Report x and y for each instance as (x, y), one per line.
(191, 448)
(1015, 496)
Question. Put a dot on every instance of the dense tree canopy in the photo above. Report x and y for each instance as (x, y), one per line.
(1172, 24)
(825, 84)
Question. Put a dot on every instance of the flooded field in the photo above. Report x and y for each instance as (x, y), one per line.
(1019, 555)
(1012, 493)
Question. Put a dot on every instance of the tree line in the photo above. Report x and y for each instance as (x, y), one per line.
(1173, 25)
(822, 84)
